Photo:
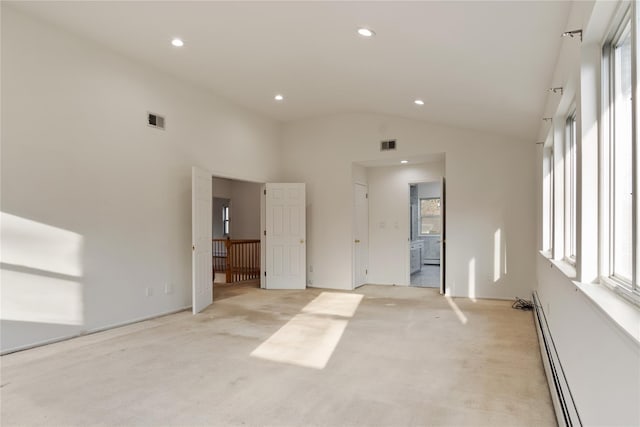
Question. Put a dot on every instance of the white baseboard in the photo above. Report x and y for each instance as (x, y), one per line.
(563, 403)
(90, 331)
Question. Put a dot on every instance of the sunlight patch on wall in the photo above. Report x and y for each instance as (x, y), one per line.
(28, 243)
(36, 298)
(504, 256)
(310, 338)
(496, 255)
(472, 279)
(40, 272)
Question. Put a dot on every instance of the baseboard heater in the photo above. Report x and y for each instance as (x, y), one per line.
(563, 403)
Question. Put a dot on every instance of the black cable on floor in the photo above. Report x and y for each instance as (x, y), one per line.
(522, 304)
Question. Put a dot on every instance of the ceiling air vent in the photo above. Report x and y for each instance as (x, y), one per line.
(155, 121)
(388, 145)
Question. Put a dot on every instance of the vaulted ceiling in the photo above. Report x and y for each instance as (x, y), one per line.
(477, 65)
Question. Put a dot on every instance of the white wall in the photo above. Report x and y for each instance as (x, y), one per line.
(490, 182)
(245, 210)
(221, 187)
(245, 207)
(600, 360)
(389, 216)
(359, 174)
(221, 192)
(77, 157)
(218, 225)
(428, 190)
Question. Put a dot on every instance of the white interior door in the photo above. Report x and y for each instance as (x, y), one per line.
(361, 235)
(443, 240)
(201, 234)
(285, 245)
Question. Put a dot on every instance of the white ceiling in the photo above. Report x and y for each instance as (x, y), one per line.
(477, 65)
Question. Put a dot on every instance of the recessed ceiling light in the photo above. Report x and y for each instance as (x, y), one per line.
(404, 161)
(278, 97)
(418, 102)
(177, 42)
(365, 32)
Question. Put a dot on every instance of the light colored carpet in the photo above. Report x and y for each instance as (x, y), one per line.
(388, 356)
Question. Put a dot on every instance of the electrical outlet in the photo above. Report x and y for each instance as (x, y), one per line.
(168, 288)
(148, 291)
(311, 269)
(309, 282)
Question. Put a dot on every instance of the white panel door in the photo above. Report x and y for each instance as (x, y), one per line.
(285, 236)
(361, 236)
(201, 234)
(443, 240)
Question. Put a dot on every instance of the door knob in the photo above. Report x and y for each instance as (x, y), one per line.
(301, 240)
(357, 241)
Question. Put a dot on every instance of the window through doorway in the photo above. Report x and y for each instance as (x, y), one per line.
(426, 234)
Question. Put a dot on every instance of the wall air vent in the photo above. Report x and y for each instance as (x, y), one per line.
(155, 121)
(388, 145)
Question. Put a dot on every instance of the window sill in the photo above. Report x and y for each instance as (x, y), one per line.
(624, 314)
(547, 254)
(617, 288)
(567, 269)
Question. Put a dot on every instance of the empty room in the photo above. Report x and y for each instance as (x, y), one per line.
(328, 213)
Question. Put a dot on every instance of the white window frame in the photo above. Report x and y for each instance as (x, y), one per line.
(420, 233)
(628, 289)
(226, 220)
(570, 188)
(548, 170)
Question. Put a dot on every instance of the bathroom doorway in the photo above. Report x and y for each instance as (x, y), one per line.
(426, 247)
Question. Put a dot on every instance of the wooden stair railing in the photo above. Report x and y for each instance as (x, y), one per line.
(219, 255)
(239, 259)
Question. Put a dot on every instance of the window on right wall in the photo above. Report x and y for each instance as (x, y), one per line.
(548, 194)
(619, 161)
(570, 190)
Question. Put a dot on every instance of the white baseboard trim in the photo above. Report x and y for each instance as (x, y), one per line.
(131, 322)
(563, 403)
(91, 331)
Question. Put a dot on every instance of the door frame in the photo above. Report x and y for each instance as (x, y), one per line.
(354, 273)
(439, 180)
(216, 174)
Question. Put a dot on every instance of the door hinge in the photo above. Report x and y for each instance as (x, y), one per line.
(265, 232)
(366, 196)
(265, 274)
(265, 191)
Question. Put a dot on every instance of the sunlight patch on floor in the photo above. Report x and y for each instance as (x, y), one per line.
(310, 338)
(461, 317)
(334, 304)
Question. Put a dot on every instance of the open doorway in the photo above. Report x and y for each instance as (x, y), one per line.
(235, 232)
(427, 234)
(276, 215)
